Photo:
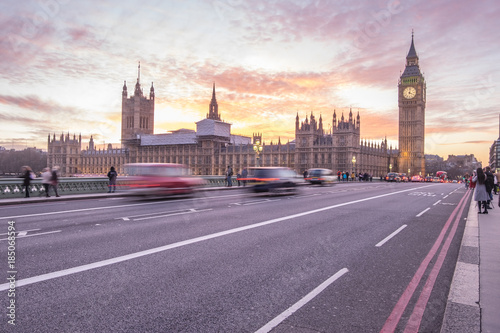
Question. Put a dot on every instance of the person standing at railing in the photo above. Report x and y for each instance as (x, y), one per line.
(46, 175)
(112, 175)
(54, 179)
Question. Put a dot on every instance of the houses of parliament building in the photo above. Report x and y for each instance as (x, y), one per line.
(210, 148)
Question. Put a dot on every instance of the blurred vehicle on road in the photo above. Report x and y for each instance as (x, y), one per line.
(417, 178)
(321, 176)
(393, 177)
(160, 179)
(276, 180)
(428, 179)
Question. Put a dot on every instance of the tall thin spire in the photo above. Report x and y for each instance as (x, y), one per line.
(412, 53)
(139, 73)
(138, 90)
(213, 112)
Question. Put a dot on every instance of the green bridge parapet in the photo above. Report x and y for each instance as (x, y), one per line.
(13, 187)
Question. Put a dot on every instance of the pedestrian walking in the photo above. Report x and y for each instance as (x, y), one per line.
(54, 180)
(480, 194)
(229, 175)
(27, 175)
(489, 183)
(46, 175)
(472, 184)
(112, 175)
(244, 175)
(497, 177)
(238, 178)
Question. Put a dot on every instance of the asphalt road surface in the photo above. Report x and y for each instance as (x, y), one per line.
(362, 257)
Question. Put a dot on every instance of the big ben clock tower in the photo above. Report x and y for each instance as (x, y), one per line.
(411, 97)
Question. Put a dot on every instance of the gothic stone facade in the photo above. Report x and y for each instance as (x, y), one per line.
(210, 148)
(412, 91)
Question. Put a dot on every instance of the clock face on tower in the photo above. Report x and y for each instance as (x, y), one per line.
(409, 92)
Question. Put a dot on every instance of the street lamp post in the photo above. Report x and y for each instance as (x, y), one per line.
(257, 147)
(354, 163)
(390, 167)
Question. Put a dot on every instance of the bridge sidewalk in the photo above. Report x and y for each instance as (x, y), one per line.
(474, 297)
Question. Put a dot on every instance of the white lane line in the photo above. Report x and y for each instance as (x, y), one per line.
(149, 214)
(307, 196)
(288, 312)
(38, 234)
(446, 196)
(383, 241)
(173, 214)
(423, 212)
(437, 202)
(111, 207)
(258, 202)
(83, 268)
(22, 231)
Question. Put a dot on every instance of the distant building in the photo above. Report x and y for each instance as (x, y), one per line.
(64, 153)
(468, 162)
(210, 148)
(494, 160)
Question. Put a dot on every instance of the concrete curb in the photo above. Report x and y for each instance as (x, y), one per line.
(463, 313)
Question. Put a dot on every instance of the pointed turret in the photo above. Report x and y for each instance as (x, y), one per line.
(138, 90)
(412, 68)
(213, 112)
(412, 53)
(124, 92)
(152, 92)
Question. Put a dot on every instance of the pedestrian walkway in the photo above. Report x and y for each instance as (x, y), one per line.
(474, 297)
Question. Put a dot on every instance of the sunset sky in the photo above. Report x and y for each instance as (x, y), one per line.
(63, 63)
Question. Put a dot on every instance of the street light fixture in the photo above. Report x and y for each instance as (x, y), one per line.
(354, 163)
(390, 167)
(257, 147)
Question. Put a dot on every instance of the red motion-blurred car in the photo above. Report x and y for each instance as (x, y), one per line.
(417, 178)
(160, 179)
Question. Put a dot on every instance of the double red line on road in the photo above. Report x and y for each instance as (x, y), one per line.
(416, 317)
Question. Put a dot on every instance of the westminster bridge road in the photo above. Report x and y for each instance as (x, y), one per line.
(358, 257)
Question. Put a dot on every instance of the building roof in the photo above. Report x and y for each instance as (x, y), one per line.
(168, 139)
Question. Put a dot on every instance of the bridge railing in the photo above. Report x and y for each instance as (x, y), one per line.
(13, 187)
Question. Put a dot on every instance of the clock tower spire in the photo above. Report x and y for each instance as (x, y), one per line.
(411, 102)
